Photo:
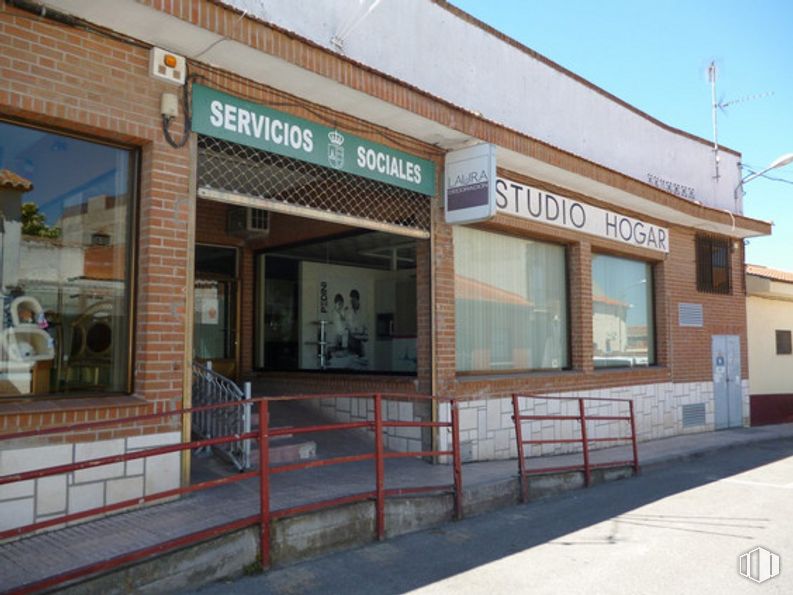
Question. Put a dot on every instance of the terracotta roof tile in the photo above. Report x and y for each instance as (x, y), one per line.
(471, 289)
(9, 179)
(765, 272)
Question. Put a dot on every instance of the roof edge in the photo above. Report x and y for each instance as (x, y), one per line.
(460, 13)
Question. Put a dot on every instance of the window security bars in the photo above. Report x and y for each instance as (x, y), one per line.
(713, 264)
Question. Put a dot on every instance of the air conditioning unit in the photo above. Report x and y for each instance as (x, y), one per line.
(248, 222)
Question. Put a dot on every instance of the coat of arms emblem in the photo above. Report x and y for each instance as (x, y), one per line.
(335, 149)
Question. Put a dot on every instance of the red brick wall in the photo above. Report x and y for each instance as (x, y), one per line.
(724, 314)
(682, 354)
(213, 16)
(90, 84)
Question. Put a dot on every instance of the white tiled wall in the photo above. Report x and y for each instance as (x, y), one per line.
(40, 499)
(486, 425)
(350, 409)
(487, 430)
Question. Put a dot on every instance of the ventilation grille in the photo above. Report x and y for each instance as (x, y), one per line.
(237, 169)
(693, 415)
(690, 315)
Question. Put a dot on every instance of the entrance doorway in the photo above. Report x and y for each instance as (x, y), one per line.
(215, 333)
(334, 282)
(727, 390)
(340, 303)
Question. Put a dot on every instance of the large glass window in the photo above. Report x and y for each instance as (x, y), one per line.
(342, 304)
(510, 303)
(64, 263)
(622, 312)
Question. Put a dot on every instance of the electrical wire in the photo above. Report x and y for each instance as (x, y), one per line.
(186, 111)
(40, 13)
(752, 170)
(776, 179)
(222, 39)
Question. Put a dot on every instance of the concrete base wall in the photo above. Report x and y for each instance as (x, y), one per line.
(309, 535)
(49, 497)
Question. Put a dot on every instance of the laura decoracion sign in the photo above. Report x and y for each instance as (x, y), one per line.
(236, 120)
(469, 189)
(531, 203)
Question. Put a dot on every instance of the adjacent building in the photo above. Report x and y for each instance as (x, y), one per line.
(769, 314)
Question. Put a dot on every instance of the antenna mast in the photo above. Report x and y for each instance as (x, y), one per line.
(715, 107)
(721, 105)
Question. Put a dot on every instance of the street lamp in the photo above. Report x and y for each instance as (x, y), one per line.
(781, 161)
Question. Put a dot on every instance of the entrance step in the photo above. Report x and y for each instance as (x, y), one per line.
(294, 451)
(284, 448)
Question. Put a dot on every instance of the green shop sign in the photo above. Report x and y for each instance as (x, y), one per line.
(227, 117)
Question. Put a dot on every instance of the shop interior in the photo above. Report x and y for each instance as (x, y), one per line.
(280, 293)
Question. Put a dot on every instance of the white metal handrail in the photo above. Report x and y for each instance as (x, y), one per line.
(211, 388)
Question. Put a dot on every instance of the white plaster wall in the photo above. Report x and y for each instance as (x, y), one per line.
(425, 45)
(769, 373)
(49, 497)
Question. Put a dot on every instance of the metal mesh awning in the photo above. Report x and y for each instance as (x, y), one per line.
(243, 175)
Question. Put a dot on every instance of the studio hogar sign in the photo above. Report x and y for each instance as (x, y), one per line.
(230, 118)
(537, 205)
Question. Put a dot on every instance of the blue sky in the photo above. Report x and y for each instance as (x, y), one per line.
(655, 55)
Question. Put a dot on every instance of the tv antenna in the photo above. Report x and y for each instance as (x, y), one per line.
(717, 105)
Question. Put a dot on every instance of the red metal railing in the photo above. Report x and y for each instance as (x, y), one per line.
(262, 435)
(582, 418)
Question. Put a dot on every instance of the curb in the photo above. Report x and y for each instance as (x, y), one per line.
(711, 449)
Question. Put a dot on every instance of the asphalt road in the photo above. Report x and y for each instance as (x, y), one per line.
(676, 529)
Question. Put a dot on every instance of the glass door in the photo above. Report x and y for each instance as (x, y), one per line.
(215, 309)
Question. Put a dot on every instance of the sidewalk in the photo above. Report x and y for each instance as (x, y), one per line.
(41, 556)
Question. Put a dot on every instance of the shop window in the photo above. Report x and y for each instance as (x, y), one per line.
(64, 263)
(783, 343)
(622, 312)
(342, 304)
(510, 303)
(713, 264)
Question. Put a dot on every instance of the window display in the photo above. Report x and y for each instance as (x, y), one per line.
(342, 304)
(65, 215)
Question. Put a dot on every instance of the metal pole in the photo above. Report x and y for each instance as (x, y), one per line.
(457, 461)
(246, 427)
(264, 483)
(584, 443)
(524, 488)
(379, 467)
(633, 441)
(715, 108)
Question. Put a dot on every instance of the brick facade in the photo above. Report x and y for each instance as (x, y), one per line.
(95, 84)
(90, 84)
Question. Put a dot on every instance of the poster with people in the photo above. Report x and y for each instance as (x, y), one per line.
(338, 316)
